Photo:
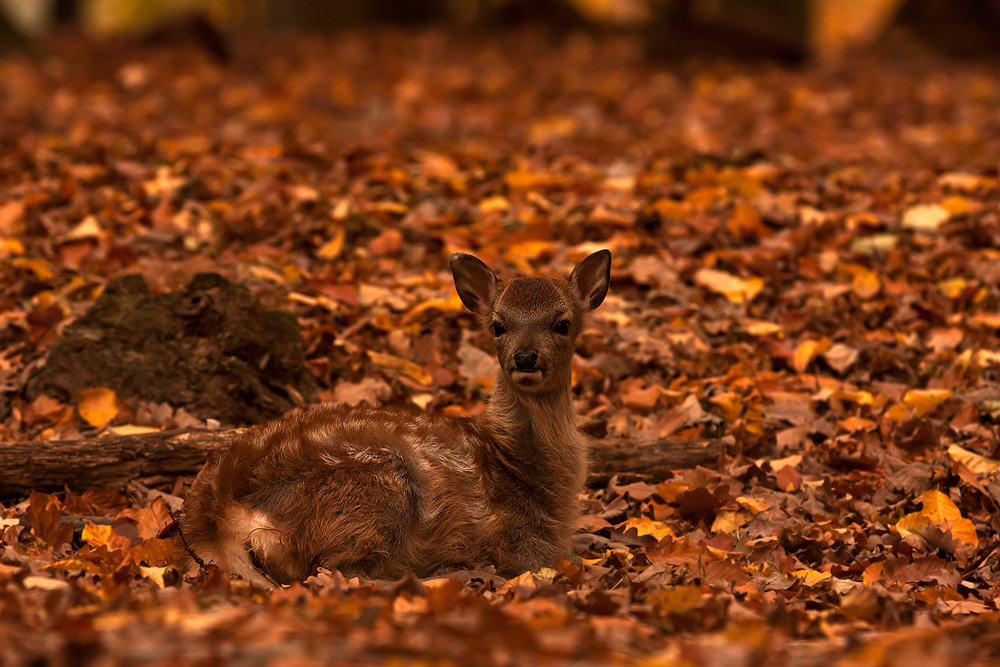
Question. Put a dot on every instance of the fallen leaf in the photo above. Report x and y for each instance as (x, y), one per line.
(98, 406)
(939, 510)
(925, 217)
(866, 284)
(733, 288)
(332, 248)
(811, 577)
(11, 218)
(807, 351)
(414, 371)
(370, 390)
(924, 401)
(978, 464)
(643, 526)
(840, 357)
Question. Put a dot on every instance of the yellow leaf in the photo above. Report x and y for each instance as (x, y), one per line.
(132, 429)
(729, 521)
(811, 577)
(860, 397)
(963, 182)
(866, 284)
(495, 203)
(753, 505)
(332, 248)
(450, 305)
(644, 526)
(98, 406)
(807, 351)
(161, 576)
(39, 267)
(733, 288)
(88, 228)
(153, 552)
(762, 328)
(912, 523)
(924, 401)
(940, 511)
(96, 535)
(944, 513)
(979, 465)
(730, 402)
(71, 565)
(45, 583)
(925, 217)
(872, 573)
(952, 288)
(408, 368)
(939, 508)
(897, 412)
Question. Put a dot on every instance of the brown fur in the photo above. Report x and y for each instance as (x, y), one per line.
(381, 492)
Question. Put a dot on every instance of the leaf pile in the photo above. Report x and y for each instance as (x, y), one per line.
(805, 264)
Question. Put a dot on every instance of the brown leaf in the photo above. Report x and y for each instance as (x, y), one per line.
(43, 516)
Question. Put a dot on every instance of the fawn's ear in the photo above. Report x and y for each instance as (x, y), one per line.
(591, 278)
(474, 281)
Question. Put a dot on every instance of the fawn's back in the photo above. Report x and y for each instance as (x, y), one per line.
(382, 491)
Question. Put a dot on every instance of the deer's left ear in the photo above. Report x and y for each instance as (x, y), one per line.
(591, 278)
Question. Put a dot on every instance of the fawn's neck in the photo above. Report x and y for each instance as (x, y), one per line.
(538, 436)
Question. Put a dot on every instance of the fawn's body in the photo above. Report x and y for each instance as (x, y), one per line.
(382, 492)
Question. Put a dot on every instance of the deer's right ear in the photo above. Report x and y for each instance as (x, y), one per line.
(474, 281)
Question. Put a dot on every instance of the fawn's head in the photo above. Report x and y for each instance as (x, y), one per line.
(534, 321)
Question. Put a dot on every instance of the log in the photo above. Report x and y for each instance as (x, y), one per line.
(650, 461)
(153, 458)
(108, 462)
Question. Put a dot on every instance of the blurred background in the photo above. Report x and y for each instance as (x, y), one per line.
(788, 30)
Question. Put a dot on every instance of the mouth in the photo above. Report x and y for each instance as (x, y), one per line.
(527, 378)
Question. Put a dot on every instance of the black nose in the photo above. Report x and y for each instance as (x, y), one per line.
(525, 360)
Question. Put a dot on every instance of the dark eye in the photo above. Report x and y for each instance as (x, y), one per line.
(562, 327)
(497, 329)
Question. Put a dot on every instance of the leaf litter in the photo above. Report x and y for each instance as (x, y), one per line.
(805, 262)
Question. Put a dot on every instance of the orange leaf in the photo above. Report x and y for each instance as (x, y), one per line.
(643, 526)
(807, 351)
(96, 535)
(924, 401)
(98, 406)
(332, 248)
(866, 284)
(151, 520)
(153, 552)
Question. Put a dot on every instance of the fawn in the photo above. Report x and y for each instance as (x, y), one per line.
(381, 491)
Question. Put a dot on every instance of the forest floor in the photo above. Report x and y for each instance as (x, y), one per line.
(805, 263)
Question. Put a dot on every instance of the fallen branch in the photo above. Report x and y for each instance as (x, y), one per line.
(152, 458)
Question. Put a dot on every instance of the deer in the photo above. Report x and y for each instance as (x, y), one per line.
(385, 491)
